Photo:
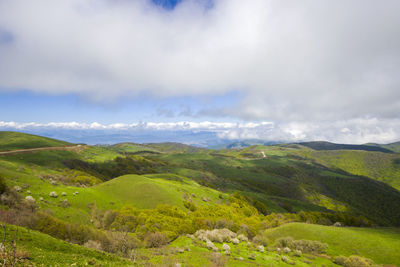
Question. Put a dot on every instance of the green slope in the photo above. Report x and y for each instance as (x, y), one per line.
(17, 140)
(45, 250)
(384, 167)
(381, 245)
(148, 191)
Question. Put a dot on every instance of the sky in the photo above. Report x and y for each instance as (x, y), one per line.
(259, 69)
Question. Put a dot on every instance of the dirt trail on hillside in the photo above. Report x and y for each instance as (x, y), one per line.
(76, 148)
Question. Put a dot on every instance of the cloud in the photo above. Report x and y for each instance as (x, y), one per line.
(356, 131)
(293, 61)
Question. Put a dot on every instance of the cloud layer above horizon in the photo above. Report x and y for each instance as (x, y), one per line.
(319, 64)
(354, 131)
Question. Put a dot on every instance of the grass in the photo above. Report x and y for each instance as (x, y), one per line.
(381, 244)
(384, 167)
(45, 250)
(199, 255)
(16, 140)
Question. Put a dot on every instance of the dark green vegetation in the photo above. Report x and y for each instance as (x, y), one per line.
(140, 201)
(331, 146)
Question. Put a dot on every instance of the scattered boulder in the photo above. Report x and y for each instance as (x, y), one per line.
(240, 258)
(204, 199)
(29, 192)
(285, 259)
(286, 250)
(338, 224)
(178, 264)
(278, 250)
(226, 247)
(63, 194)
(235, 241)
(216, 235)
(53, 194)
(17, 188)
(181, 250)
(252, 256)
(242, 237)
(53, 182)
(41, 199)
(65, 203)
(210, 245)
(297, 253)
(260, 248)
(30, 199)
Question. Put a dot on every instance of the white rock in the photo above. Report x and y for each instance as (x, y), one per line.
(235, 241)
(17, 188)
(286, 250)
(242, 237)
(30, 199)
(260, 248)
(226, 247)
(53, 194)
(63, 194)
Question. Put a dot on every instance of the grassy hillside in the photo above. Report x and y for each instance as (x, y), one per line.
(148, 191)
(149, 197)
(381, 244)
(331, 146)
(16, 140)
(380, 166)
(43, 250)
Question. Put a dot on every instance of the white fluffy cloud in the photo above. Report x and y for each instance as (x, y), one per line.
(293, 60)
(354, 131)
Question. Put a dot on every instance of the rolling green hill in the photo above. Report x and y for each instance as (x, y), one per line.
(319, 145)
(155, 194)
(43, 250)
(381, 245)
(17, 140)
(380, 166)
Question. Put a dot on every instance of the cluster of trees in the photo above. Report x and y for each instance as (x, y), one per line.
(119, 166)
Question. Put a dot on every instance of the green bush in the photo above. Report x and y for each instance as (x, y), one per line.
(340, 260)
(261, 239)
(156, 240)
(310, 246)
(284, 242)
(357, 261)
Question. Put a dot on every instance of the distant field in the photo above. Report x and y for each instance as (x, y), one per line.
(15, 140)
(381, 244)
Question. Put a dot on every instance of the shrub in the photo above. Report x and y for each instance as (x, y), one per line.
(310, 246)
(297, 253)
(216, 235)
(93, 244)
(156, 240)
(357, 261)
(261, 239)
(284, 242)
(340, 260)
(189, 205)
